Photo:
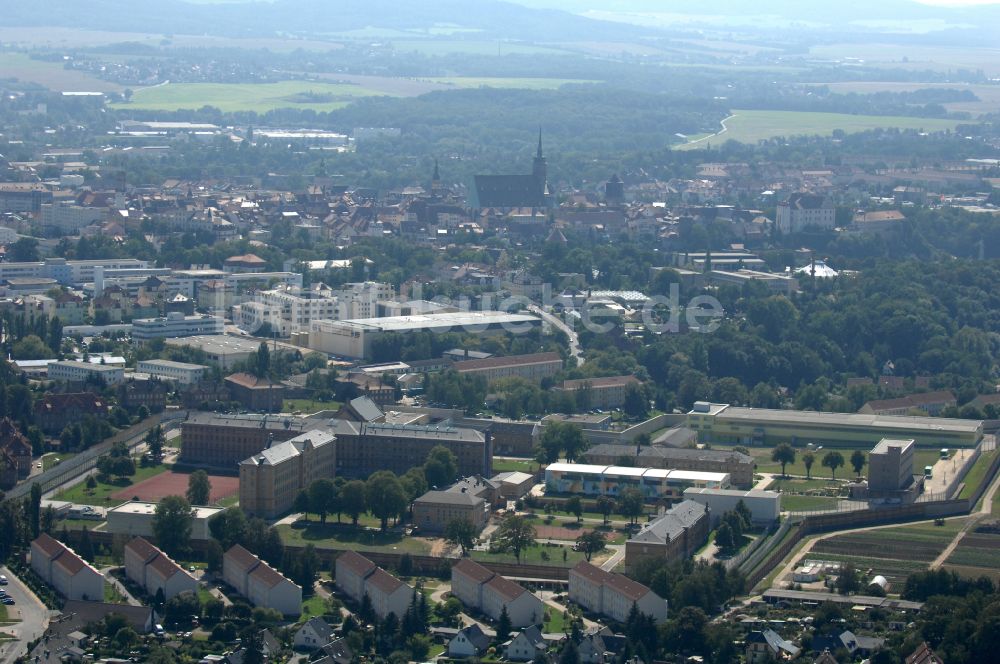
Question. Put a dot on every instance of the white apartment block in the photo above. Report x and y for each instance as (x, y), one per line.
(613, 595)
(154, 570)
(478, 587)
(802, 211)
(60, 567)
(79, 372)
(259, 582)
(66, 271)
(356, 576)
(175, 325)
(179, 372)
(68, 218)
(360, 300)
(287, 310)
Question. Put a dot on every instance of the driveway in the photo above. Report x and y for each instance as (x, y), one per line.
(34, 617)
(574, 338)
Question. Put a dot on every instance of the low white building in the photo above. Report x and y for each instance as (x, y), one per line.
(175, 325)
(764, 506)
(356, 576)
(135, 518)
(79, 372)
(180, 372)
(479, 588)
(60, 567)
(154, 570)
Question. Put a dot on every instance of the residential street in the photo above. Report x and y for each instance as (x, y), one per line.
(34, 617)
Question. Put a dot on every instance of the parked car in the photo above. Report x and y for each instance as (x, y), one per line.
(3, 579)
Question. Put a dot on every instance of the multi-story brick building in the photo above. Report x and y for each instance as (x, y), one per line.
(257, 394)
(15, 454)
(675, 535)
(55, 411)
(433, 511)
(271, 479)
(208, 439)
(365, 448)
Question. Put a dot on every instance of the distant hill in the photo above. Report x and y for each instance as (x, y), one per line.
(490, 18)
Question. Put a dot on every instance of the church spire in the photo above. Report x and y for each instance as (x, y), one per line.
(539, 154)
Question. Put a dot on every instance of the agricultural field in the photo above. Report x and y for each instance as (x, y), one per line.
(257, 97)
(753, 126)
(989, 95)
(914, 57)
(893, 552)
(51, 75)
(522, 83)
(435, 47)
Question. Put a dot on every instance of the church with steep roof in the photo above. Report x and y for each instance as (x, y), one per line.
(508, 192)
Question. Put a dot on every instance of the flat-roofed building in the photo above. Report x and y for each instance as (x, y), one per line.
(890, 465)
(61, 567)
(220, 350)
(154, 570)
(72, 371)
(674, 535)
(739, 466)
(259, 582)
(271, 479)
(135, 518)
(654, 483)
(533, 367)
(764, 506)
(354, 338)
(179, 372)
(174, 325)
(479, 588)
(613, 595)
(433, 511)
(722, 423)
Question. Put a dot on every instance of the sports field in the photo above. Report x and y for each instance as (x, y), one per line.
(160, 486)
(748, 126)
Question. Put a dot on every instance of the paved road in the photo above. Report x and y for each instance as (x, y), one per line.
(34, 617)
(574, 338)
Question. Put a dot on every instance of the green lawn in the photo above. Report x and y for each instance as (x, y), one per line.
(557, 622)
(762, 457)
(533, 556)
(977, 474)
(234, 97)
(101, 495)
(506, 465)
(802, 485)
(347, 537)
(112, 596)
(308, 406)
(751, 126)
(3, 614)
(314, 606)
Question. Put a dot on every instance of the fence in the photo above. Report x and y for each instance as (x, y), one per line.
(87, 460)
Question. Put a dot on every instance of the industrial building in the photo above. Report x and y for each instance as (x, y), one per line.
(135, 518)
(654, 483)
(722, 423)
(764, 506)
(72, 371)
(174, 325)
(354, 338)
(179, 372)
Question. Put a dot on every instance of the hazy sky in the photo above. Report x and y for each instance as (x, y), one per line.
(958, 3)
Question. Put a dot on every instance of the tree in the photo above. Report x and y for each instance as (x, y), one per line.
(172, 525)
(441, 467)
(724, 537)
(353, 499)
(575, 507)
(461, 532)
(636, 403)
(322, 494)
(570, 653)
(48, 519)
(262, 364)
(745, 514)
(808, 459)
(504, 625)
(91, 482)
(631, 503)
(783, 454)
(858, 461)
(589, 543)
(213, 556)
(229, 527)
(560, 437)
(199, 488)
(514, 535)
(385, 496)
(414, 482)
(154, 441)
(301, 503)
(605, 505)
(833, 461)
(30, 348)
(86, 548)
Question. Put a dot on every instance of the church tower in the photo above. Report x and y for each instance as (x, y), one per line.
(539, 168)
(436, 180)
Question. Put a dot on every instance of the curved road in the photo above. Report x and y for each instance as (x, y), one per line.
(574, 338)
(711, 136)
